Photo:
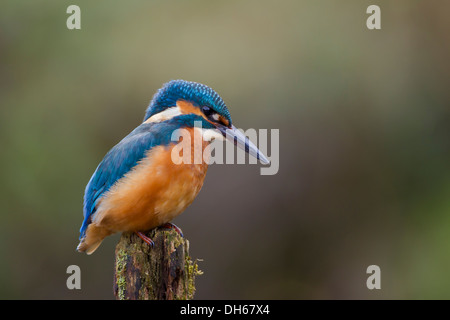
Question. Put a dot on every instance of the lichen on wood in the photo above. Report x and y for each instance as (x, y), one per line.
(163, 272)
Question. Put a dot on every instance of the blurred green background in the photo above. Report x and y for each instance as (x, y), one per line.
(364, 120)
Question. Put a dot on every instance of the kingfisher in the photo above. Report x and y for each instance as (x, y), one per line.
(138, 186)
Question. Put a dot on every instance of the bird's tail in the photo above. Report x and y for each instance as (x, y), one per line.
(93, 238)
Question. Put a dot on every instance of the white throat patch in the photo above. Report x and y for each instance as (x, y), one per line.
(210, 134)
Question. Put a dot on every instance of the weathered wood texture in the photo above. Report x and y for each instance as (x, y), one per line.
(164, 272)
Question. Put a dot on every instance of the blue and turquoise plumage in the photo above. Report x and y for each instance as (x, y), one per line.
(197, 93)
(138, 186)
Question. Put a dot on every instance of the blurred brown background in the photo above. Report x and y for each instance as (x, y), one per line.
(364, 119)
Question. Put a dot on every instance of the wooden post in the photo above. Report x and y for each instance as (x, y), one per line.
(164, 272)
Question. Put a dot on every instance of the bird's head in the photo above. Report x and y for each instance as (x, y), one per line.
(180, 97)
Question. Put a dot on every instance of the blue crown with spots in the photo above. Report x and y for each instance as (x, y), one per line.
(196, 93)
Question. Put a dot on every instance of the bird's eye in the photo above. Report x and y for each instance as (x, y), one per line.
(210, 114)
(207, 110)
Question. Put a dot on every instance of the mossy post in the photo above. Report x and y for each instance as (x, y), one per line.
(164, 272)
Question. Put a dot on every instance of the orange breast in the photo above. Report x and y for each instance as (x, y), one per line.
(151, 194)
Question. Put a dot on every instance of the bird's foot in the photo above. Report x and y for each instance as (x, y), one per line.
(146, 239)
(172, 226)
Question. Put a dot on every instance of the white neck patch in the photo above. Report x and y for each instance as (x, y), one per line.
(164, 115)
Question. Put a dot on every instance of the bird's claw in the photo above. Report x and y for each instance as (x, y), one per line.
(146, 239)
(172, 226)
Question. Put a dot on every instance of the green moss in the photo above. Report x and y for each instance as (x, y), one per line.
(174, 238)
(192, 271)
(121, 266)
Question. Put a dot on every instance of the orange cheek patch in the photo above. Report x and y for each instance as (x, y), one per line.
(188, 108)
(224, 121)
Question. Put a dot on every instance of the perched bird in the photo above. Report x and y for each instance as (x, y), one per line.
(137, 186)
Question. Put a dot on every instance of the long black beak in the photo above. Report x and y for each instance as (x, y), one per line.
(243, 142)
